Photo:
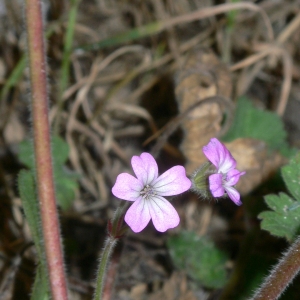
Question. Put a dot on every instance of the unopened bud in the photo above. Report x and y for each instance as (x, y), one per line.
(200, 184)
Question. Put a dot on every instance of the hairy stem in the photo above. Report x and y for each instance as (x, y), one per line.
(111, 274)
(115, 231)
(43, 159)
(104, 260)
(281, 275)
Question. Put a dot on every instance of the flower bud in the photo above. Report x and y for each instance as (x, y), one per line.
(200, 183)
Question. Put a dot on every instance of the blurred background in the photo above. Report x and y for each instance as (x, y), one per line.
(128, 76)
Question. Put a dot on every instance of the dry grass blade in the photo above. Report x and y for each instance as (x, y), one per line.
(8, 280)
(219, 9)
(141, 68)
(251, 60)
(287, 81)
(287, 71)
(162, 135)
(275, 48)
(289, 30)
(134, 110)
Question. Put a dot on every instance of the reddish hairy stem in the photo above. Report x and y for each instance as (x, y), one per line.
(43, 159)
(282, 275)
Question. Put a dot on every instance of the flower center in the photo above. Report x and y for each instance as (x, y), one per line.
(147, 192)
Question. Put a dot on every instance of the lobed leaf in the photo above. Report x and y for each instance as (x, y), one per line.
(291, 176)
(199, 257)
(284, 219)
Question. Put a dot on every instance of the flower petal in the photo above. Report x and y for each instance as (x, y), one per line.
(233, 177)
(215, 185)
(172, 182)
(233, 194)
(138, 215)
(219, 155)
(127, 187)
(163, 214)
(145, 167)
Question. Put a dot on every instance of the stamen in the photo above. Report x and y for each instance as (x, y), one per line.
(147, 192)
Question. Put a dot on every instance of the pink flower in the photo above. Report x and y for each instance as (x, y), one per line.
(227, 176)
(147, 191)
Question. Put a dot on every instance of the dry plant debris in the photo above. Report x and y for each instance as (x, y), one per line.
(203, 76)
(105, 122)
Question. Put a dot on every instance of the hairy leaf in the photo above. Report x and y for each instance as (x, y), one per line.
(28, 195)
(291, 176)
(199, 258)
(252, 122)
(65, 182)
(40, 289)
(284, 218)
(27, 191)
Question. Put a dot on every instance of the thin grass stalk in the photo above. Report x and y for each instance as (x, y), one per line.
(14, 77)
(18, 70)
(42, 149)
(159, 26)
(65, 68)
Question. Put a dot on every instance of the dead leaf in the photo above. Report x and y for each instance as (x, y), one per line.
(203, 76)
(14, 131)
(138, 291)
(255, 158)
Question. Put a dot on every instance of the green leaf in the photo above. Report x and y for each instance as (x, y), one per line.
(65, 182)
(284, 219)
(28, 195)
(26, 154)
(199, 257)
(40, 289)
(252, 122)
(60, 150)
(66, 186)
(291, 176)
(27, 191)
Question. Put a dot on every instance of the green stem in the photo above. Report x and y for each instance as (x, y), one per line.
(108, 249)
(14, 77)
(282, 275)
(65, 68)
(43, 159)
(115, 231)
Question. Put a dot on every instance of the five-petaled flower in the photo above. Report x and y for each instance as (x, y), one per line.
(147, 191)
(227, 176)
